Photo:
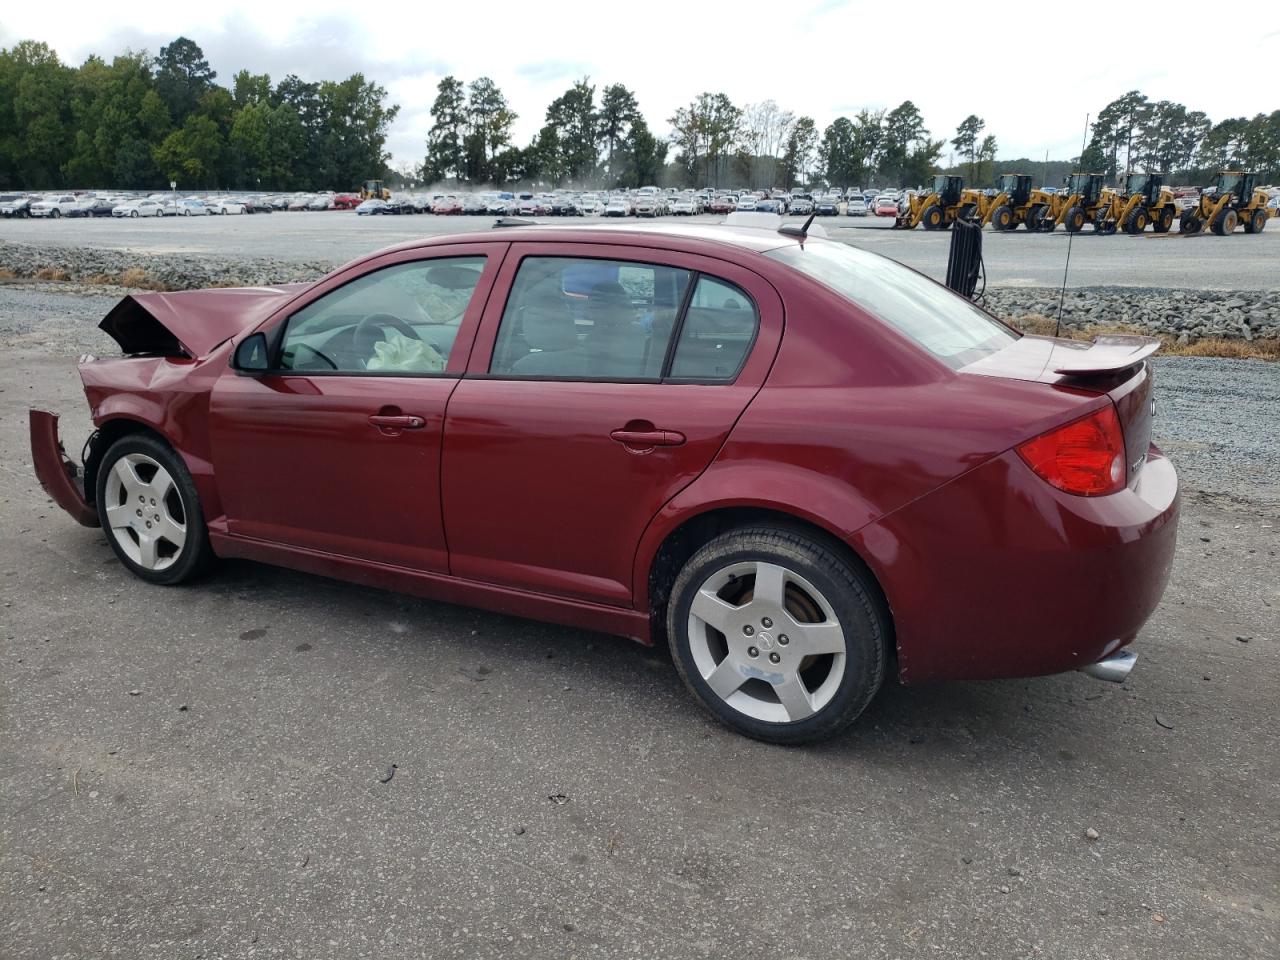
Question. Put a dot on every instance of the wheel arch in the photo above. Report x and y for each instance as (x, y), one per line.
(108, 432)
(657, 572)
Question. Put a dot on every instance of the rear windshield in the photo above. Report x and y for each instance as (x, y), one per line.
(948, 326)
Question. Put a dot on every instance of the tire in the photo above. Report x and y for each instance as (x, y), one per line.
(1002, 218)
(133, 214)
(131, 470)
(1189, 222)
(1225, 222)
(811, 580)
(1073, 220)
(932, 217)
(55, 213)
(1255, 222)
(1136, 222)
(1163, 222)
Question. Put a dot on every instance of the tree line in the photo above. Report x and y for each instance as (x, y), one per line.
(139, 122)
(1135, 134)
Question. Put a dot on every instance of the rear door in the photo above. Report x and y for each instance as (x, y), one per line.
(604, 380)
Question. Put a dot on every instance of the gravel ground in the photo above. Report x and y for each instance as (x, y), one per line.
(1202, 262)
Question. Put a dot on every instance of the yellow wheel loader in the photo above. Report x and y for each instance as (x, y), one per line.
(1078, 202)
(1143, 202)
(1236, 201)
(1016, 203)
(937, 208)
(374, 190)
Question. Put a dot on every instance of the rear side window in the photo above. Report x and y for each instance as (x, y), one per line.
(944, 324)
(717, 332)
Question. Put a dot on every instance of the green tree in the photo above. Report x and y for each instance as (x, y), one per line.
(247, 88)
(987, 160)
(798, 154)
(967, 144)
(192, 155)
(488, 132)
(643, 156)
(704, 132)
(577, 124)
(445, 156)
(37, 132)
(618, 111)
(183, 75)
(907, 154)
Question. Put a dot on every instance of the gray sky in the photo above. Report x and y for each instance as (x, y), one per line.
(823, 58)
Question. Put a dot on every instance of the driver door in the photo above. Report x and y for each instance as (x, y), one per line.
(336, 448)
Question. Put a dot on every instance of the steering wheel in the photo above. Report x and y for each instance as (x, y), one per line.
(370, 330)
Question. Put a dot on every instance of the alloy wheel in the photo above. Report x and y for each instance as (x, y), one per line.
(145, 512)
(766, 642)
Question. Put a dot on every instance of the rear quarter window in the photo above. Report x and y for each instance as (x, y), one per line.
(940, 322)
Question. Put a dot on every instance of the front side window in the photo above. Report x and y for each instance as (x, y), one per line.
(397, 320)
(574, 318)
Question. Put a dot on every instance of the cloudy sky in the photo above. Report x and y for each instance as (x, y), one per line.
(818, 57)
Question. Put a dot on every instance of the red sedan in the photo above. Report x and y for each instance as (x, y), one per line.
(801, 465)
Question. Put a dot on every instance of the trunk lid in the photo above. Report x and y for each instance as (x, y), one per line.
(191, 322)
(1113, 365)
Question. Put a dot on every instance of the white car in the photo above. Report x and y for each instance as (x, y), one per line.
(224, 205)
(323, 201)
(746, 202)
(649, 205)
(54, 207)
(138, 208)
(857, 207)
(683, 207)
(590, 207)
(618, 207)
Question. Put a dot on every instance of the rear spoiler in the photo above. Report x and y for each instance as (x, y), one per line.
(1106, 354)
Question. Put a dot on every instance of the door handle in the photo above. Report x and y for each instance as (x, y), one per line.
(385, 421)
(648, 438)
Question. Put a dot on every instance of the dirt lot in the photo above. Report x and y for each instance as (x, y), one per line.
(198, 772)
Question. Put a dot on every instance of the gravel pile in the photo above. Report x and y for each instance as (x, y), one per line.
(157, 271)
(1184, 314)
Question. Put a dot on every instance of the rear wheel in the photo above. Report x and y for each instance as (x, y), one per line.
(150, 510)
(1074, 220)
(777, 635)
(932, 218)
(1002, 218)
(1225, 222)
(55, 213)
(1136, 222)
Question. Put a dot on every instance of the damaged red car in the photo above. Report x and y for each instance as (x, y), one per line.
(803, 466)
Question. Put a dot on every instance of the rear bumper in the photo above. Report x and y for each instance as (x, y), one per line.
(59, 477)
(997, 574)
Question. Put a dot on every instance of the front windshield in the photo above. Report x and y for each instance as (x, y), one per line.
(1228, 183)
(948, 326)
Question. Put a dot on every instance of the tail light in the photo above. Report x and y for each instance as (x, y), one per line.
(1085, 457)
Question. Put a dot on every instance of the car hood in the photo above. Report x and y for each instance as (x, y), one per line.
(191, 322)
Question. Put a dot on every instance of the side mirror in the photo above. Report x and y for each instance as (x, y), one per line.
(251, 355)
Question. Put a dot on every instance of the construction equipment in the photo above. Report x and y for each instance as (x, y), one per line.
(374, 190)
(938, 208)
(1234, 202)
(1144, 200)
(1015, 203)
(1078, 202)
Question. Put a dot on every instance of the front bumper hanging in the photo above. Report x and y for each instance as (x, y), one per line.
(62, 480)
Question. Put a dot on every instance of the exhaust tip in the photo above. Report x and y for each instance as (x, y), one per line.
(1114, 668)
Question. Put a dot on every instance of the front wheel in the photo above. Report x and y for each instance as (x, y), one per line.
(149, 508)
(1074, 220)
(777, 635)
(1189, 222)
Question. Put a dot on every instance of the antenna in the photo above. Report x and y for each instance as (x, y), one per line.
(791, 230)
(1062, 295)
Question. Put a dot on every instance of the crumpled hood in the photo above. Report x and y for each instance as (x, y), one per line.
(191, 322)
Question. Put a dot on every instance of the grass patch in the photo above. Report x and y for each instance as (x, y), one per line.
(140, 279)
(52, 273)
(7, 274)
(1207, 347)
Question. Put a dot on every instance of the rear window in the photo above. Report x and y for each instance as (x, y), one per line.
(948, 326)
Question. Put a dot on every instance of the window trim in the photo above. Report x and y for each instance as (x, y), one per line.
(677, 328)
(275, 344)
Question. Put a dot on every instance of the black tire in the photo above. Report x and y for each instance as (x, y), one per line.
(1225, 222)
(133, 214)
(1189, 222)
(1136, 222)
(853, 599)
(1002, 218)
(1074, 219)
(55, 213)
(1255, 222)
(195, 554)
(932, 217)
(1163, 221)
